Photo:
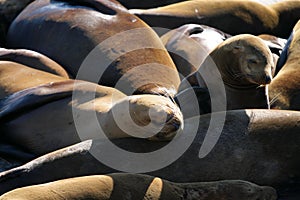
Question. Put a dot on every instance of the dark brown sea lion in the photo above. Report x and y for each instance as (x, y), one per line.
(233, 17)
(190, 44)
(245, 63)
(9, 9)
(288, 12)
(284, 91)
(136, 186)
(32, 59)
(261, 146)
(276, 46)
(68, 31)
(284, 54)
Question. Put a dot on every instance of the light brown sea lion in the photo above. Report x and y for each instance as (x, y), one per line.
(244, 62)
(15, 77)
(190, 44)
(261, 146)
(137, 186)
(149, 116)
(284, 91)
(233, 17)
(32, 59)
(68, 31)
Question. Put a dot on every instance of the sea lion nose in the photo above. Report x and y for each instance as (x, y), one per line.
(176, 125)
(268, 79)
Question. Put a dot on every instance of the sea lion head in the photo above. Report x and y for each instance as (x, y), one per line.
(148, 116)
(236, 189)
(251, 60)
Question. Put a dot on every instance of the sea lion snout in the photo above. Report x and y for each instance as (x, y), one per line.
(268, 79)
(151, 116)
(269, 193)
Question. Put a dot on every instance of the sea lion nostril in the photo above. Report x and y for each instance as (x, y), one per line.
(169, 117)
(196, 30)
(268, 79)
(176, 125)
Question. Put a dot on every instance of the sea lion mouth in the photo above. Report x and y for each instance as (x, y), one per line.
(259, 80)
(171, 127)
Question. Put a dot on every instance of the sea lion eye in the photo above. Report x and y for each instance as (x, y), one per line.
(252, 61)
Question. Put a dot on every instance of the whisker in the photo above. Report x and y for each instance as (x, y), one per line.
(274, 99)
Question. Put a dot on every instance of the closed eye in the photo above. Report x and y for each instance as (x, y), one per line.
(252, 61)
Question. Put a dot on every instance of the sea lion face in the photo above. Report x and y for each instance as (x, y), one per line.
(251, 59)
(150, 116)
(256, 61)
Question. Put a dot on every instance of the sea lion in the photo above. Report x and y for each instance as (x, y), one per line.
(284, 91)
(137, 186)
(190, 44)
(233, 17)
(149, 116)
(64, 35)
(245, 63)
(261, 146)
(33, 59)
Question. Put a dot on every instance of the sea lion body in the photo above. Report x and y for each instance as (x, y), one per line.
(271, 134)
(276, 46)
(289, 14)
(233, 17)
(284, 91)
(67, 32)
(136, 186)
(244, 62)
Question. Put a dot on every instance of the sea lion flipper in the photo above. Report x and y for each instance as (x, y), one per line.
(28, 99)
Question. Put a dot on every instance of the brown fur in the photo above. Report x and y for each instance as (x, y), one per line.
(284, 89)
(233, 17)
(65, 36)
(244, 62)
